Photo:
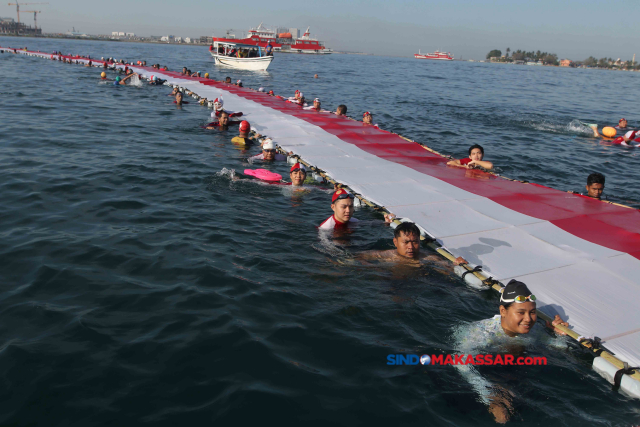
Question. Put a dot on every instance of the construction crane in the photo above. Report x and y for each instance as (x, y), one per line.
(35, 21)
(17, 5)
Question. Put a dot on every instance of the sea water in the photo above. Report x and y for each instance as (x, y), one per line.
(141, 284)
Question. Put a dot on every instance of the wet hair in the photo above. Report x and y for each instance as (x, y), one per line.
(227, 79)
(595, 178)
(406, 228)
(342, 109)
(478, 147)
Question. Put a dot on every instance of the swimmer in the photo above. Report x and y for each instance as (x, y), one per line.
(476, 154)
(406, 239)
(206, 75)
(184, 71)
(609, 134)
(179, 100)
(315, 76)
(222, 123)
(298, 174)
(515, 325)
(271, 93)
(88, 64)
(341, 110)
(239, 83)
(315, 106)
(123, 82)
(269, 153)
(367, 119)
(595, 185)
(244, 138)
(103, 75)
(227, 80)
(342, 207)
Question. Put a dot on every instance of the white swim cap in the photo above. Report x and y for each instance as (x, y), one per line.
(316, 100)
(261, 89)
(268, 144)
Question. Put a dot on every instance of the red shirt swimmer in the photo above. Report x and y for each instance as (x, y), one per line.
(476, 154)
(342, 207)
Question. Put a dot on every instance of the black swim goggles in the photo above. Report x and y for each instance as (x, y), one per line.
(345, 196)
(520, 299)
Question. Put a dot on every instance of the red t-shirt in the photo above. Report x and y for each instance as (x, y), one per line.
(465, 161)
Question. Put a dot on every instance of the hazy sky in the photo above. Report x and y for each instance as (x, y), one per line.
(469, 29)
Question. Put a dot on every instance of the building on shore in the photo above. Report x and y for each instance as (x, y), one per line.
(566, 63)
(9, 26)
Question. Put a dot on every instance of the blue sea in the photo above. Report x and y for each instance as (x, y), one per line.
(140, 285)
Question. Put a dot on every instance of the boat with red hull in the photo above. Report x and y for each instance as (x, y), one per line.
(437, 55)
(282, 42)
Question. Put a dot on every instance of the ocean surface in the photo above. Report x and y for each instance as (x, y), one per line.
(140, 285)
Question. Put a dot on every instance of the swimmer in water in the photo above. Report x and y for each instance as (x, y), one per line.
(341, 110)
(595, 185)
(609, 134)
(476, 154)
(221, 124)
(227, 80)
(123, 81)
(243, 138)
(298, 174)
(179, 100)
(269, 153)
(315, 106)
(406, 239)
(103, 76)
(515, 325)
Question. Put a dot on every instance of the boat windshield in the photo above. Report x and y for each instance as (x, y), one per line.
(239, 50)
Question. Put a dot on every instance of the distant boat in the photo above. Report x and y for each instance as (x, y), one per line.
(232, 55)
(437, 55)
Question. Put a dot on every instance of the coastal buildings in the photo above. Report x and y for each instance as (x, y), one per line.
(566, 63)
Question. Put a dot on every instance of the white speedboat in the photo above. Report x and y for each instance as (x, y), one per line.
(241, 56)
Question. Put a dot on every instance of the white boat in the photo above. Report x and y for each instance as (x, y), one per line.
(241, 56)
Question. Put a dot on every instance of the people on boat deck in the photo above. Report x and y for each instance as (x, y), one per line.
(342, 207)
(476, 154)
(269, 153)
(406, 239)
(509, 331)
(269, 49)
(315, 106)
(341, 110)
(595, 185)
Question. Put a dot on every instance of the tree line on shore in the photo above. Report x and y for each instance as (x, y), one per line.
(552, 59)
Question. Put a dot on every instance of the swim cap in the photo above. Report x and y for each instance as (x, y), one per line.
(301, 94)
(245, 126)
(118, 78)
(298, 166)
(261, 89)
(514, 289)
(270, 92)
(339, 193)
(154, 78)
(622, 119)
(316, 100)
(103, 74)
(206, 75)
(609, 132)
(267, 144)
(366, 113)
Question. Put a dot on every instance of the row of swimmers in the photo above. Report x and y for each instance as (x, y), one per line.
(515, 326)
(621, 134)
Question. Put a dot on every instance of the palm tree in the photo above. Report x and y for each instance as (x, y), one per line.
(508, 50)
